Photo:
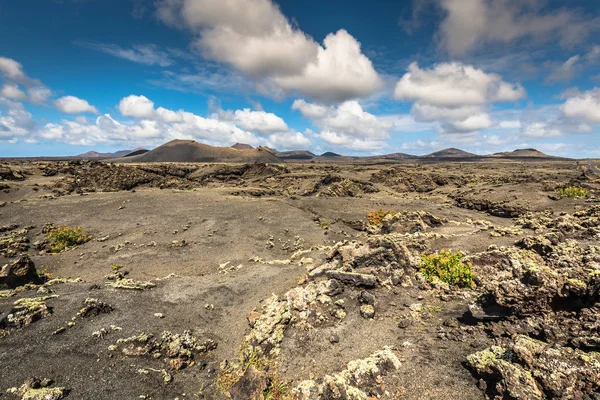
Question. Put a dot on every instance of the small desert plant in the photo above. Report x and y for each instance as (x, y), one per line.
(325, 224)
(447, 267)
(64, 237)
(376, 217)
(277, 390)
(574, 192)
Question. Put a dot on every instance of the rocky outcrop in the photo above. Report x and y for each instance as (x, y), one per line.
(24, 312)
(177, 350)
(18, 273)
(525, 368)
(354, 383)
(14, 242)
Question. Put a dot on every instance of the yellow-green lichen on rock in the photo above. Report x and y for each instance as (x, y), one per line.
(38, 389)
(353, 383)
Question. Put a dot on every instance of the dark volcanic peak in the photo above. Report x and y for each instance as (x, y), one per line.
(451, 153)
(136, 152)
(242, 146)
(192, 151)
(330, 154)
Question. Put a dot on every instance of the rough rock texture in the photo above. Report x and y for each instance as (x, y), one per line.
(406, 222)
(14, 242)
(525, 368)
(18, 273)
(94, 307)
(178, 350)
(25, 311)
(39, 389)
(251, 385)
(354, 383)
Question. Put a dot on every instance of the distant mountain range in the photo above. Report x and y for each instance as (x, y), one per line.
(192, 151)
(116, 154)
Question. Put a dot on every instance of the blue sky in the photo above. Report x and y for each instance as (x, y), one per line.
(352, 77)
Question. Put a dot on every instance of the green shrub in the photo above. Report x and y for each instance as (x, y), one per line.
(574, 192)
(447, 267)
(64, 237)
(376, 217)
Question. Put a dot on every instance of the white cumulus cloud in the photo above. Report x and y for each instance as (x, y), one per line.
(347, 125)
(584, 106)
(13, 92)
(470, 24)
(340, 72)
(456, 95)
(136, 106)
(255, 121)
(12, 70)
(255, 38)
(455, 84)
(17, 82)
(74, 105)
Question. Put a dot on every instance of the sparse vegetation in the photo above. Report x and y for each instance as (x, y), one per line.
(64, 237)
(376, 217)
(447, 267)
(325, 224)
(574, 192)
(277, 390)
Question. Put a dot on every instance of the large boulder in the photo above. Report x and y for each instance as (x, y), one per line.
(18, 273)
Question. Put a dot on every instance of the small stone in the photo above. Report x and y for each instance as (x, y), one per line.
(159, 315)
(404, 323)
(252, 317)
(406, 282)
(366, 298)
(367, 311)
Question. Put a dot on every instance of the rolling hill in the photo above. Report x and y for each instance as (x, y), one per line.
(295, 155)
(522, 153)
(451, 153)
